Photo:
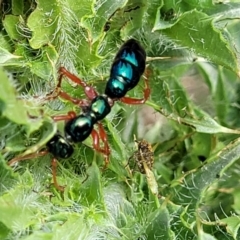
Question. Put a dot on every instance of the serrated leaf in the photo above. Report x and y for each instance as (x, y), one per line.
(75, 28)
(102, 12)
(13, 108)
(170, 99)
(133, 13)
(190, 31)
(193, 184)
(83, 7)
(160, 21)
(46, 13)
(204, 123)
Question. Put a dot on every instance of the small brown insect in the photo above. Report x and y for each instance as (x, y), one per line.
(144, 154)
(144, 157)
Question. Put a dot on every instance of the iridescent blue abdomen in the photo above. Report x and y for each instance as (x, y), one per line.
(116, 87)
(127, 68)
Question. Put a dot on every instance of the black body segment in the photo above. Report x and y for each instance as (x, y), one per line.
(59, 147)
(79, 128)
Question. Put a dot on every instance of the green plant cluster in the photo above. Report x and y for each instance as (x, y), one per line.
(192, 120)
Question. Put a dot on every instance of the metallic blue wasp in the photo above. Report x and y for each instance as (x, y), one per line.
(127, 68)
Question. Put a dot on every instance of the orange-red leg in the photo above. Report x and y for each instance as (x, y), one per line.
(54, 174)
(79, 102)
(65, 117)
(96, 136)
(39, 154)
(26, 157)
(58, 92)
(103, 136)
(89, 91)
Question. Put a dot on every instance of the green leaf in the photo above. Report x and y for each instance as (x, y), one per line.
(194, 184)
(10, 24)
(225, 11)
(12, 107)
(45, 67)
(132, 14)
(195, 3)
(17, 7)
(81, 229)
(6, 175)
(92, 188)
(232, 225)
(118, 157)
(15, 213)
(39, 235)
(202, 122)
(46, 13)
(5, 56)
(175, 104)
(159, 224)
(4, 231)
(223, 85)
(47, 132)
(205, 236)
(96, 21)
(5, 43)
(189, 31)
